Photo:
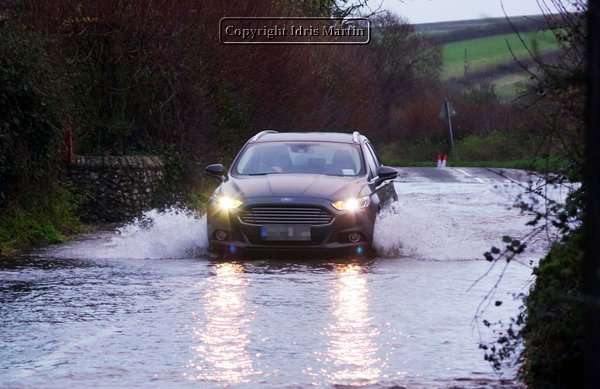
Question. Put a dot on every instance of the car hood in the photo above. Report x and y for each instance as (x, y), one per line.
(299, 185)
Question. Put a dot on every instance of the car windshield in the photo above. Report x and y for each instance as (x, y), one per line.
(339, 159)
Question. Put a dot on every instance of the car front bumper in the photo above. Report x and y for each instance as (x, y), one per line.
(331, 239)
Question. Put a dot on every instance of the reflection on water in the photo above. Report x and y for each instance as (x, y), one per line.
(223, 330)
(257, 324)
(351, 351)
(275, 324)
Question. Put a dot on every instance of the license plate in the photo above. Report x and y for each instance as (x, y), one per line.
(285, 232)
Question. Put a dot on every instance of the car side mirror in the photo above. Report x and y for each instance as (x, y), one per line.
(386, 173)
(215, 170)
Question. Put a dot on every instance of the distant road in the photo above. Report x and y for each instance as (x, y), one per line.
(462, 175)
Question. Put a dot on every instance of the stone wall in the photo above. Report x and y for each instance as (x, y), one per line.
(115, 188)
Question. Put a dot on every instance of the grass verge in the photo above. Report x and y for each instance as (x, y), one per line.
(43, 217)
(492, 150)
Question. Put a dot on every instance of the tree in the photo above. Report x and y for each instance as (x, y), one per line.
(32, 108)
(561, 315)
(405, 62)
(592, 221)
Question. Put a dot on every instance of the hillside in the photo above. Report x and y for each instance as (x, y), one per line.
(490, 46)
(446, 32)
(494, 51)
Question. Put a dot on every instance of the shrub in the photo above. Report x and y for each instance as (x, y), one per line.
(554, 328)
(31, 111)
(44, 215)
(34, 92)
(495, 146)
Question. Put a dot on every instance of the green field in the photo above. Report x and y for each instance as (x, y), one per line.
(493, 51)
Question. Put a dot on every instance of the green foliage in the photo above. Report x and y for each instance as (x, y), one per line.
(330, 8)
(495, 146)
(34, 101)
(125, 101)
(232, 123)
(45, 215)
(32, 108)
(545, 337)
(406, 153)
(509, 88)
(485, 92)
(171, 190)
(323, 8)
(495, 149)
(550, 324)
(24, 230)
(554, 328)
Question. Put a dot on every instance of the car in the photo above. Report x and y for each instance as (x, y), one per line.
(305, 193)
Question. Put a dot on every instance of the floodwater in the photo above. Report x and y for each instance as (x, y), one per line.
(146, 307)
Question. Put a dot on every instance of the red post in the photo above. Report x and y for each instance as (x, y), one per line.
(68, 149)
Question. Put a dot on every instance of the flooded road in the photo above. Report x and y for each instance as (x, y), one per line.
(147, 307)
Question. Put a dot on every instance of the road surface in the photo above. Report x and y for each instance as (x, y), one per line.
(146, 307)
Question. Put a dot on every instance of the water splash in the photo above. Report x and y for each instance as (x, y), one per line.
(449, 221)
(405, 231)
(441, 221)
(176, 232)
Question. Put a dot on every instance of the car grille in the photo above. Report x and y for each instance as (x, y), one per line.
(286, 215)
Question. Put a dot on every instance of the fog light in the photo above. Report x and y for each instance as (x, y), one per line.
(220, 235)
(354, 237)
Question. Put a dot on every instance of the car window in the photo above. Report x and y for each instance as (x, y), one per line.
(341, 159)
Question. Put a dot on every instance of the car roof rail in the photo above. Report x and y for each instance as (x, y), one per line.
(355, 136)
(255, 137)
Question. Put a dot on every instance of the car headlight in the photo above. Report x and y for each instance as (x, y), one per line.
(352, 204)
(226, 203)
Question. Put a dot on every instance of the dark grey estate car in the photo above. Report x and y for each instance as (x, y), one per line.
(289, 193)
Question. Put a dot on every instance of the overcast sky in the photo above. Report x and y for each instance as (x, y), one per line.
(426, 11)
